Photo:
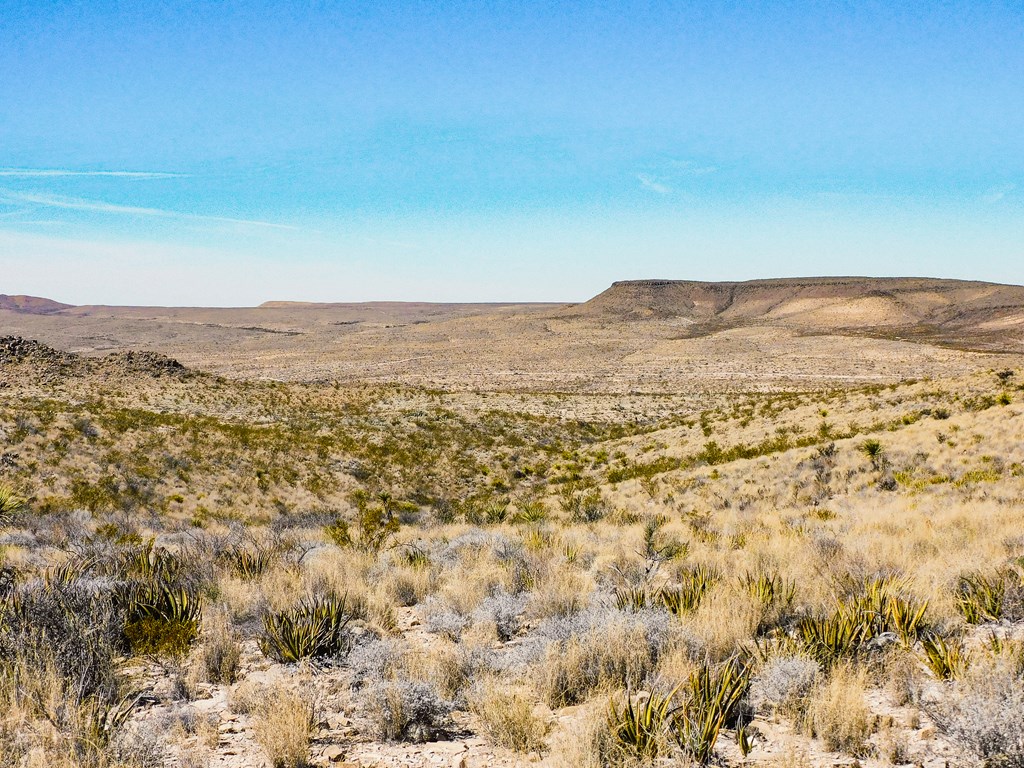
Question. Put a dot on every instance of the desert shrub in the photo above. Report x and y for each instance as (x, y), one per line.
(712, 700)
(1013, 593)
(75, 623)
(984, 715)
(220, 652)
(837, 712)
(314, 629)
(440, 618)
(405, 710)
(376, 524)
(507, 717)
(598, 648)
(284, 722)
(506, 613)
(449, 668)
(582, 505)
(783, 684)
(62, 693)
(374, 660)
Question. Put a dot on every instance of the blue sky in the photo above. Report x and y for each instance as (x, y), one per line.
(230, 153)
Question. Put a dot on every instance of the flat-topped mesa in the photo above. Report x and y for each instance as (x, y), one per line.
(821, 302)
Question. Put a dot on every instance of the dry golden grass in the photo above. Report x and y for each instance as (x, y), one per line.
(283, 725)
(837, 712)
(507, 716)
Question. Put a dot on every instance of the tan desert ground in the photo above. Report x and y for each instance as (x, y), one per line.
(769, 523)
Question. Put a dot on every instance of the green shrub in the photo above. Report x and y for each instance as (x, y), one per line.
(161, 620)
(946, 660)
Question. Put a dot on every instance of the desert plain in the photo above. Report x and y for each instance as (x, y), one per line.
(771, 523)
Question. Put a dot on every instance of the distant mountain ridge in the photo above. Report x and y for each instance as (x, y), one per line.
(31, 305)
(956, 311)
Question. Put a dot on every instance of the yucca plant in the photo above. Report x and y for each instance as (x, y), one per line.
(638, 730)
(770, 589)
(314, 629)
(694, 584)
(160, 619)
(831, 638)
(248, 564)
(980, 598)
(530, 512)
(713, 697)
(632, 599)
(873, 450)
(10, 503)
(946, 660)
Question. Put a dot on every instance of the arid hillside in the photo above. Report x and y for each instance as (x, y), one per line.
(211, 572)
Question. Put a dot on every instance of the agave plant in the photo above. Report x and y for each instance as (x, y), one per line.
(693, 585)
(249, 564)
(10, 504)
(639, 729)
(946, 660)
(713, 697)
(980, 598)
(314, 629)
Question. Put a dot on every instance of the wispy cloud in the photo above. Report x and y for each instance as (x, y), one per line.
(36, 173)
(997, 193)
(649, 182)
(99, 206)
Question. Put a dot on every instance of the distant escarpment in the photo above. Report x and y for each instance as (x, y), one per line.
(31, 305)
(958, 312)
